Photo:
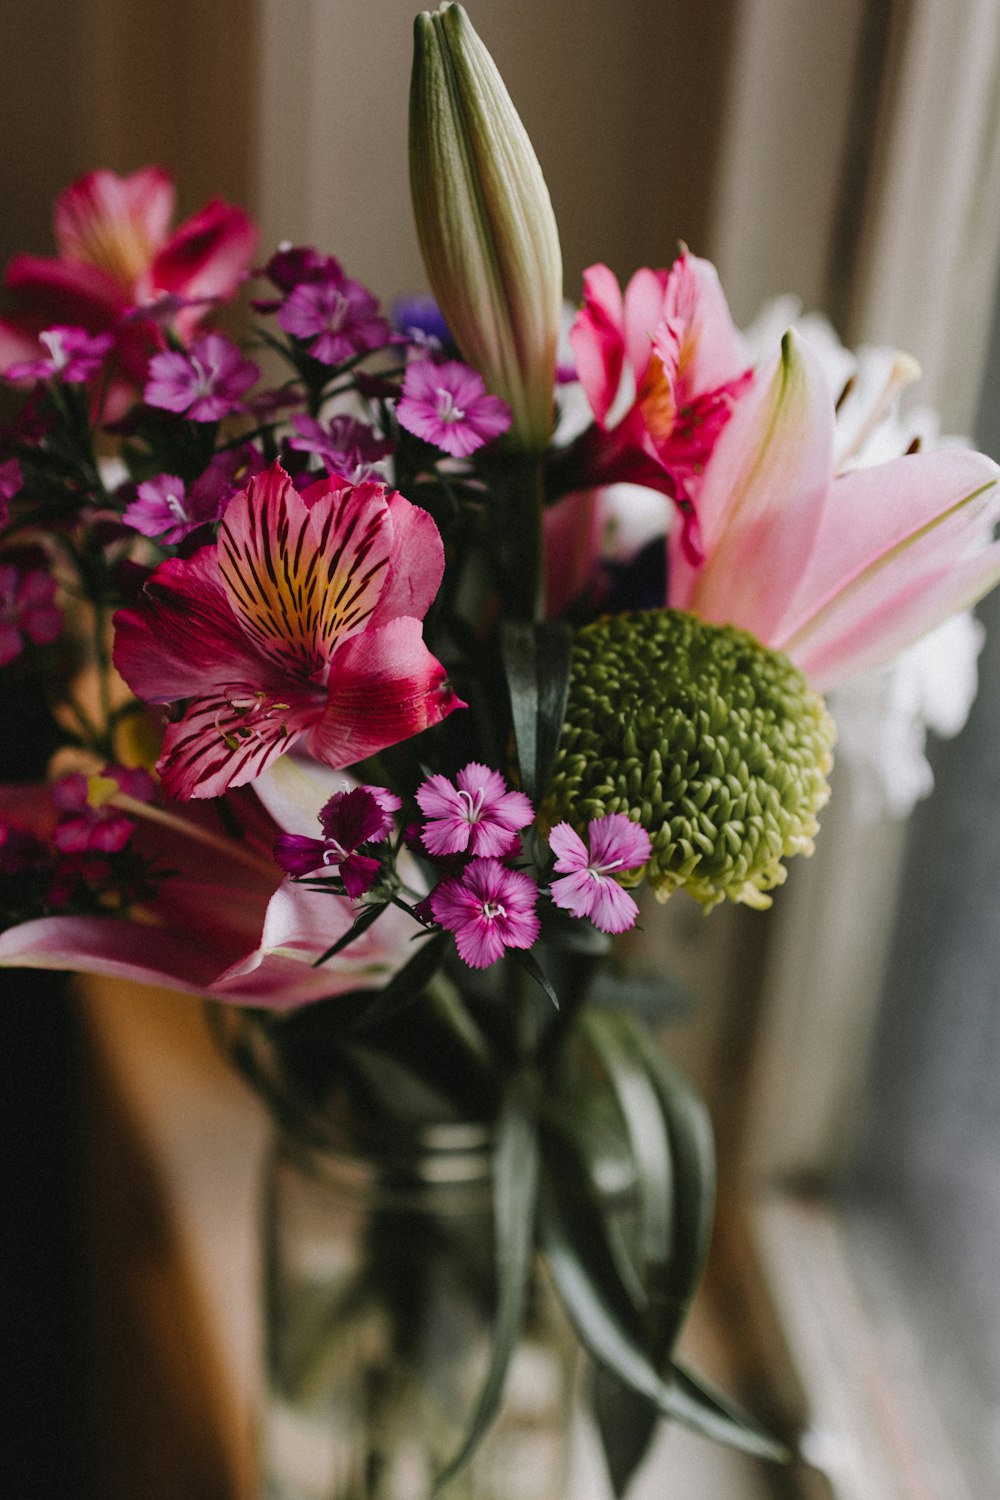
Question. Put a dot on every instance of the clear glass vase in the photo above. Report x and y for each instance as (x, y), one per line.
(380, 1296)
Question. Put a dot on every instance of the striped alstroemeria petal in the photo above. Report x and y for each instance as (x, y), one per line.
(300, 578)
(227, 738)
(384, 687)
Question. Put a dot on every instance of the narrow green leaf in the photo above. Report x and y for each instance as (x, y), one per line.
(537, 663)
(706, 1410)
(361, 924)
(407, 984)
(611, 1036)
(515, 1184)
(693, 1151)
(526, 960)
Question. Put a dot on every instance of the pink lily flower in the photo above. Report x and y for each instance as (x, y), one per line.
(115, 253)
(841, 571)
(303, 621)
(226, 925)
(662, 368)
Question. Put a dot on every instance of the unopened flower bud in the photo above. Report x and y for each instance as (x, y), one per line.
(716, 745)
(484, 219)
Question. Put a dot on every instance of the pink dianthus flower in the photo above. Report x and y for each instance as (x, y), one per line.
(490, 908)
(479, 815)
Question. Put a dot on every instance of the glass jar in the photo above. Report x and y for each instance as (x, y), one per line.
(380, 1291)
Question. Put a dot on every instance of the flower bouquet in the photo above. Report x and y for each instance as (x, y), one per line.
(384, 658)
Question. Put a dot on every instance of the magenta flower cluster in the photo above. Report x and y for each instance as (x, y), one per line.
(491, 906)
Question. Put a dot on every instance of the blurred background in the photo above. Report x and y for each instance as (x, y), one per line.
(847, 152)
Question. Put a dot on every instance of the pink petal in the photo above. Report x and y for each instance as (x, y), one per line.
(616, 839)
(118, 949)
(612, 908)
(182, 635)
(712, 352)
(574, 892)
(208, 255)
(874, 516)
(642, 313)
(870, 625)
(69, 292)
(597, 338)
(303, 572)
(227, 738)
(569, 848)
(762, 498)
(116, 223)
(384, 687)
(416, 563)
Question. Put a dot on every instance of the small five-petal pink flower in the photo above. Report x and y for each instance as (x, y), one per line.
(447, 405)
(490, 908)
(588, 887)
(350, 819)
(335, 316)
(27, 610)
(206, 383)
(475, 814)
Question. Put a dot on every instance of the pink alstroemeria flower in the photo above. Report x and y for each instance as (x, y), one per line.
(479, 815)
(489, 909)
(303, 621)
(225, 924)
(588, 887)
(115, 253)
(839, 571)
(662, 368)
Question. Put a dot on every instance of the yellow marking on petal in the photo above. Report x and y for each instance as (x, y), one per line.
(657, 401)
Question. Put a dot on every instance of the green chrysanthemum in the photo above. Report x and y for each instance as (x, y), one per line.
(714, 743)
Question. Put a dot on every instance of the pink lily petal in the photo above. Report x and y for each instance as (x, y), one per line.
(950, 496)
(384, 687)
(778, 443)
(883, 614)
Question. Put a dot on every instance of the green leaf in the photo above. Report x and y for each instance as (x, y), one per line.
(611, 1036)
(574, 1237)
(405, 986)
(707, 1411)
(693, 1151)
(515, 1185)
(626, 1421)
(536, 660)
(526, 960)
(365, 918)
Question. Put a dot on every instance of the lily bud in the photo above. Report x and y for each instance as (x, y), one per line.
(484, 219)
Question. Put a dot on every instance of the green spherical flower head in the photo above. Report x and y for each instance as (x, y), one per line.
(715, 744)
